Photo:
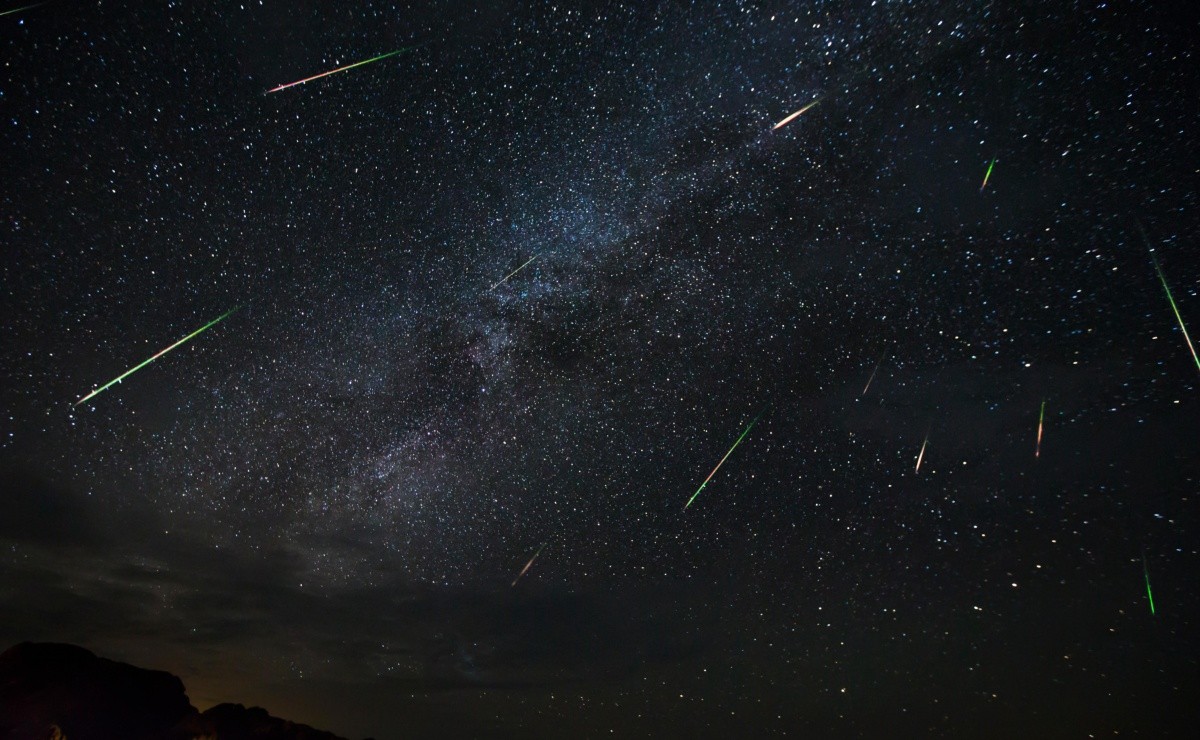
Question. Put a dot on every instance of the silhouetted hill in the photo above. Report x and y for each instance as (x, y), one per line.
(51, 691)
(236, 722)
(43, 685)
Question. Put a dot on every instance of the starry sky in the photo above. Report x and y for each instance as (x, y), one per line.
(319, 505)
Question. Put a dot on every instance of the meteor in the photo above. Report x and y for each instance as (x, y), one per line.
(527, 565)
(340, 69)
(727, 454)
(1037, 452)
(872, 378)
(795, 115)
(514, 272)
(987, 174)
(1146, 572)
(1170, 299)
(921, 456)
(18, 10)
(135, 368)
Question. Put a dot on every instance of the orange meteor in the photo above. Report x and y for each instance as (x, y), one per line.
(339, 69)
(795, 115)
(528, 565)
(1037, 452)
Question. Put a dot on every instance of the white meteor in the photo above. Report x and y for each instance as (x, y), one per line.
(921, 455)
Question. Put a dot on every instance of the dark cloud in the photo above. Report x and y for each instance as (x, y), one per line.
(102, 577)
(39, 512)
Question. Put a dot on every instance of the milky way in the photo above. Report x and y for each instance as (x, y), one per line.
(321, 506)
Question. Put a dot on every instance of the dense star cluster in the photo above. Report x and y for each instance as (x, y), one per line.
(505, 298)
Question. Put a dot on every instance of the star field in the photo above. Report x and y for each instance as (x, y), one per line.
(319, 504)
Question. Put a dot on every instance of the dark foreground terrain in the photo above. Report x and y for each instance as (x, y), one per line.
(51, 691)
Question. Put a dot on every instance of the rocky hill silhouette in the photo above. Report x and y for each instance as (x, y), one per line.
(52, 691)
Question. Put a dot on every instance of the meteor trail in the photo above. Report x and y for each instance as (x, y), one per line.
(987, 174)
(340, 69)
(527, 565)
(514, 272)
(921, 456)
(795, 115)
(135, 368)
(1171, 300)
(18, 10)
(1037, 452)
(1146, 572)
(727, 454)
(872, 378)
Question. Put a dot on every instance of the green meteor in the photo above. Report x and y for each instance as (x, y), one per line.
(1171, 299)
(727, 454)
(134, 369)
(18, 10)
(1149, 595)
(987, 174)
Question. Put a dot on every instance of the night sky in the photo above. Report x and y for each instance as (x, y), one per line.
(319, 505)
